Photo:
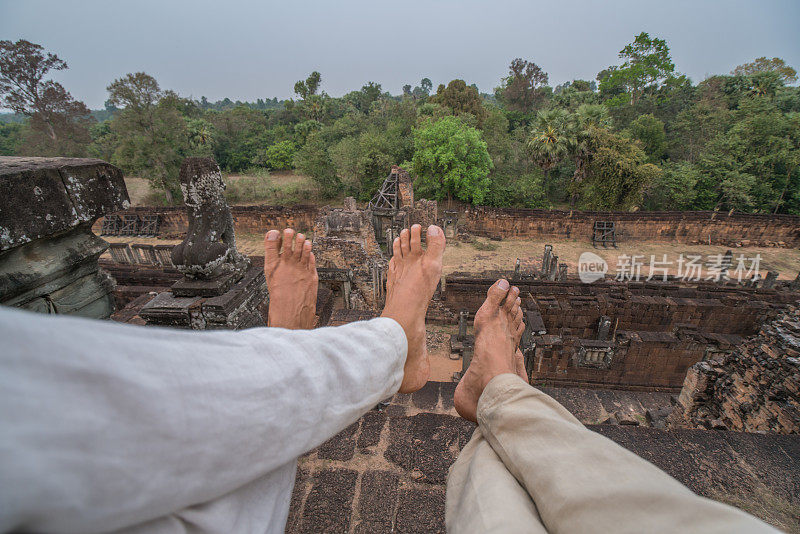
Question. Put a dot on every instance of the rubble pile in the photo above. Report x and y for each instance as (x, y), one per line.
(755, 388)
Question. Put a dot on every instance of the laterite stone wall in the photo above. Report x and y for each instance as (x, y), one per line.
(677, 226)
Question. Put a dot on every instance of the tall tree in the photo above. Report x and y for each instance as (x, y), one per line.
(586, 119)
(313, 104)
(755, 164)
(309, 86)
(59, 124)
(522, 89)
(649, 130)
(152, 132)
(363, 99)
(787, 74)
(617, 172)
(426, 85)
(135, 92)
(420, 92)
(647, 64)
(551, 139)
(461, 98)
(451, 160)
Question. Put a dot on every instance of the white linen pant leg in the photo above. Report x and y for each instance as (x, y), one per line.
(104, 426)
(246, 509)
(579, 481)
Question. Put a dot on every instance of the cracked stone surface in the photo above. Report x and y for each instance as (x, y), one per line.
(48, 253)
(393, 464)
(46, 196)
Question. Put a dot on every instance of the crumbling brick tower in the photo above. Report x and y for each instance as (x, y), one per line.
(393, 207)
(349, 259)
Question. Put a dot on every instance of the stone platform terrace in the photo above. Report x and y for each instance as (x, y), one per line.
(387, 472)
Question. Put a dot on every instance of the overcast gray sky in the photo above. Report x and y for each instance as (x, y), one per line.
(258, 49)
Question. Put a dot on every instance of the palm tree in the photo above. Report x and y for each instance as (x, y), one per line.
(587, 118)
(549, 142)
(593, 115)
(200, 133)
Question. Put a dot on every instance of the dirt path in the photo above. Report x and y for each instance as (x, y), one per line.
(472, 257)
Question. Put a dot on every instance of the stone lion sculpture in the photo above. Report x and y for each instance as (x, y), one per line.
(209, 249)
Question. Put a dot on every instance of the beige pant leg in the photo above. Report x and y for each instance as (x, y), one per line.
(482, 496)
(581, 481)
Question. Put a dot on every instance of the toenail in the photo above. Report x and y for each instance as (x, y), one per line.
(272, 235)
(433, 230)
(502, 284)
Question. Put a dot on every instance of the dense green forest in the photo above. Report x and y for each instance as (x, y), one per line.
(642, 136)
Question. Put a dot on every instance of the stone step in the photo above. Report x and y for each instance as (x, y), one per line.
(387, 472)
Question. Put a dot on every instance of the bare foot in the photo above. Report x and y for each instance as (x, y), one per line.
(411, 280)
(291, 280)
(498, 329)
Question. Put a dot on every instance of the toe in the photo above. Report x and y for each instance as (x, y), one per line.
(312, 265)
(396, 252)
(416, 239)
(272, 249)
(288, 236)
(405, 242)
(511, 299)
(497, 292)
(305, 253)
(517, 320)
(435, 241)
(297, 250)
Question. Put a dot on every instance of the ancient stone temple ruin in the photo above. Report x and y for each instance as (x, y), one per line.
(48, 252)
(698, 377)
(219, 288)
(353, 245)
(752, 388)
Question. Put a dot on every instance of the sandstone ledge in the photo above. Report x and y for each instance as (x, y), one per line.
(46, 196)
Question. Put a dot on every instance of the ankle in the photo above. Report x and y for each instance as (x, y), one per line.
(495, 370)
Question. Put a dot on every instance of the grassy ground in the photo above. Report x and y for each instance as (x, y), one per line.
(277, 188)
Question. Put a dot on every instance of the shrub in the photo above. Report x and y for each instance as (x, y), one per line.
(278, 157)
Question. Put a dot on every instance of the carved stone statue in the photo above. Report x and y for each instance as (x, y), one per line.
(209, 249)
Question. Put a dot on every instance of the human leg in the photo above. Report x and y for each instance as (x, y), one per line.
(483, 496)
(413, 275)
(109, 425)
(579, 480)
